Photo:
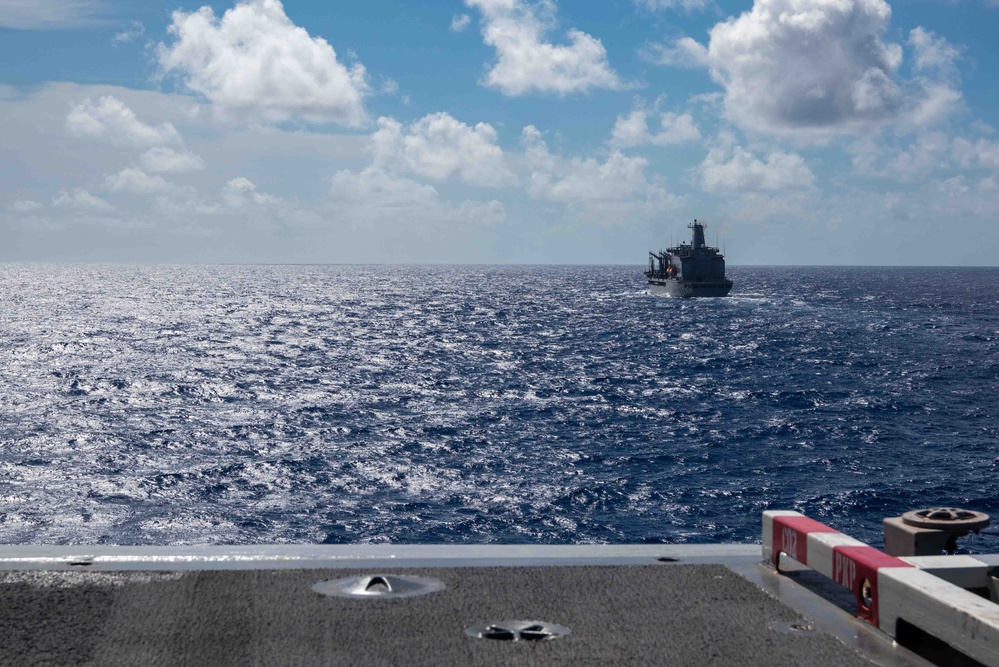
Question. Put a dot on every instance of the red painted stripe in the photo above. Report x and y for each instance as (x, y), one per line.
(790, 536)
(854, 565)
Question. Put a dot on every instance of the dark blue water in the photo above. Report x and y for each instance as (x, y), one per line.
(237, 404)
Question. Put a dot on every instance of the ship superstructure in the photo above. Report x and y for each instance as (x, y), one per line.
(686, 270)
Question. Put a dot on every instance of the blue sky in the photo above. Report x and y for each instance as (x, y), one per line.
(499, 131)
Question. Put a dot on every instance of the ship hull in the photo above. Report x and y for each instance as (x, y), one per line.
(686, 290)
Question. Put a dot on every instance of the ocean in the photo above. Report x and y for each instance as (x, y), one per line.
(487, 404)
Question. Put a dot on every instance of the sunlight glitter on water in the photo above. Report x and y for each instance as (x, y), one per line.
(277, 404)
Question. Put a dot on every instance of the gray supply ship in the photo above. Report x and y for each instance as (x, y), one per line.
(690, 270)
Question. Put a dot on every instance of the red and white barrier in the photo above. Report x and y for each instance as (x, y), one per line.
(890, 589)
(847, 561)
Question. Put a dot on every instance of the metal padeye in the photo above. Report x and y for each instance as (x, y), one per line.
(379, 586)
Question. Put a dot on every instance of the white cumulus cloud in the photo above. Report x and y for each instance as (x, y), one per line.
(440, 147)
(981, 153)
(136, 180)
(26, 206)
(527, 63)
(807, 65)
(926, 155)
(374, 186)
(240, 191)
(935, 63)
(134, 31)
(163, 159)
(111, 120)
(460, 22)
(682, 52)
(80, 200)
(584, 180)
(937, 101)
(738, 170)
(255, 61)
(933, 52)
(959, 197)
(633, 129)
(929, 154)
(374, 195)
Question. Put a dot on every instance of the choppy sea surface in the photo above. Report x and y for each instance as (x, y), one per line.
(537, 404)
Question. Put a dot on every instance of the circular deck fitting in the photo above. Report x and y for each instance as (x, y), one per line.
(947, 518)
(378, 586)
(515, 631)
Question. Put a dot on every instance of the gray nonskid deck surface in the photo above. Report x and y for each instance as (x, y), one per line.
(657, 615)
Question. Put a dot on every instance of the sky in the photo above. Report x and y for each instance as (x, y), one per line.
(804, 132)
